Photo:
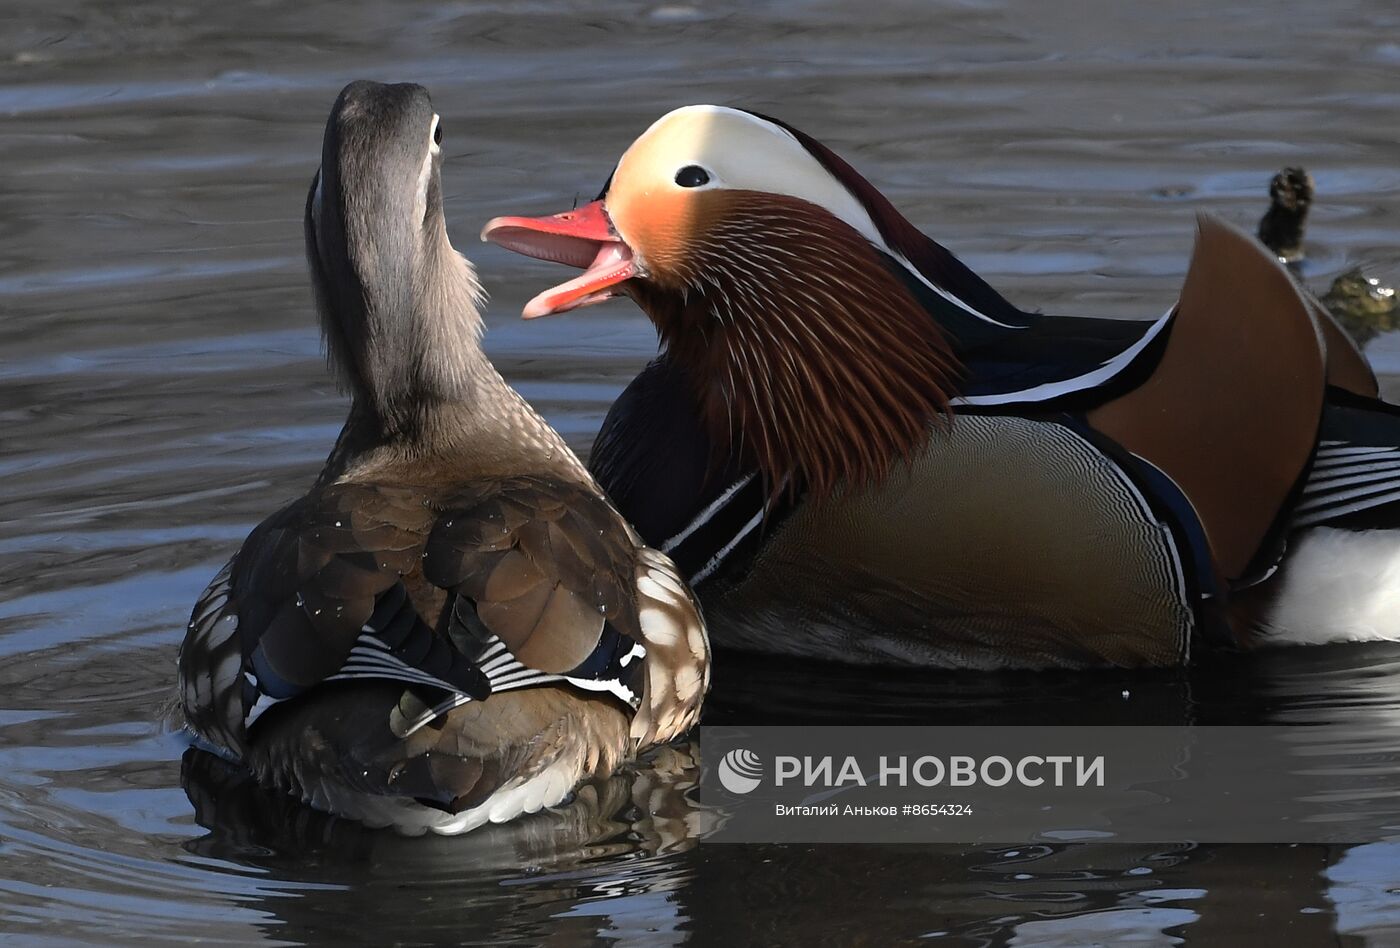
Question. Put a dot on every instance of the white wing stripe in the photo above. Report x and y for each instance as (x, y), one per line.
(1338, 463)
(519, 674)
(363, 670)
(1328, 468)
(1336, 497)
(378, 662)
(1079, 383)
(1323, 486)
(616, 688)
(1353, 450)
(538, 678)
(496, 664)
(1307, 519)
(493, 652)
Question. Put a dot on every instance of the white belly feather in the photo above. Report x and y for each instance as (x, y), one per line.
(1338, 586)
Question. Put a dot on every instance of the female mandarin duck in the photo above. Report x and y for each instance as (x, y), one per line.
(857, 449)
(453, 626)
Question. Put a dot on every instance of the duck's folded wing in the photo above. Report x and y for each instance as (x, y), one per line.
(504, 585)
(543, 574)
(317, 593)
(561, 589)
(1347, 368)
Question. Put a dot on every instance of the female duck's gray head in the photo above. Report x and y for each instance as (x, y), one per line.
(398, 306)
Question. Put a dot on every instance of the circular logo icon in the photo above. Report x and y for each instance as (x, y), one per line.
(740, 771)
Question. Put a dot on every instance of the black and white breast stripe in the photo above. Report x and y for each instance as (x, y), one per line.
(713, 536)
(705, 515)
(1346, 478)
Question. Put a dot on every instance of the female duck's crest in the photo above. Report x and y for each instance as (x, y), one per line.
(787, 284)
(398, 305)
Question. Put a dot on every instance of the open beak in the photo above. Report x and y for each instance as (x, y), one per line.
(584, 238)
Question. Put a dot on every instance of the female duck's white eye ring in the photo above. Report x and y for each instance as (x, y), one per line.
(437, 134)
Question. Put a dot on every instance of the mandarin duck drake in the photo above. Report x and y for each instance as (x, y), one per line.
(857, 450)
(453, 626)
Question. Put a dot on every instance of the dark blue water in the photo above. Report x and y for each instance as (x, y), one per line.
(161, 389)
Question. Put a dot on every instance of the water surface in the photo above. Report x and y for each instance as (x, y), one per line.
(162, 389)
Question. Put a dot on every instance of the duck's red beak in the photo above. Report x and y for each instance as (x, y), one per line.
(583, 237)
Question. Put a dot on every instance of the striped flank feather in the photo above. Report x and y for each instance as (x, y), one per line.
(1347, 478)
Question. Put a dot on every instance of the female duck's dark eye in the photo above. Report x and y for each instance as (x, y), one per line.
(437, 134)
(692, 176)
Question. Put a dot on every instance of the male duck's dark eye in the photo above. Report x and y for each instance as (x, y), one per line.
(437, 134)
(692, 176)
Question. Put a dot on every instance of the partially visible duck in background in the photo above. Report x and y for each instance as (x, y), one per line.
(1282, 227)
(858, 450)
(453, 626)
(1363, 306)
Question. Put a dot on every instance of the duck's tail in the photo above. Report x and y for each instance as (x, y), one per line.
(482, 762)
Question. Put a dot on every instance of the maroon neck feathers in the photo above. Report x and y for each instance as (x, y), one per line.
(808, 356)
